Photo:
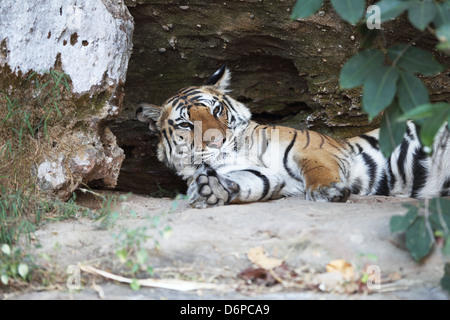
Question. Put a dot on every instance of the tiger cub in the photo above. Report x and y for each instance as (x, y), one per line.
(209, 139)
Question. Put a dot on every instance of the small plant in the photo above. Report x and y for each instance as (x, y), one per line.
(426, 225)
(14, 265)
(392, 89)
(131, 243)
(108, 213)
(21, 213)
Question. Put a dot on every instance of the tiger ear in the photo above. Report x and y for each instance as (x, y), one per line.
(149, 113)
(220, 79)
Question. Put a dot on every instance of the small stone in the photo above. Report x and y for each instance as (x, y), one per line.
(184, 7)
(162, 50)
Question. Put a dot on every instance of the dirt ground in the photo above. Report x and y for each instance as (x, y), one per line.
(212, 250)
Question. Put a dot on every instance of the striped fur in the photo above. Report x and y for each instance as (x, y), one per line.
(208, 138)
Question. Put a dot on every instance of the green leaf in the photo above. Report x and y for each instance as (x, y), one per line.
(359, 67)
(397, 224)
(142, 256)
(391, 130)
(424, 111)
(445, 281)
(305, 8)
(418, 241)
(440, 213)
(122, 255)
(5, 279)
(420, 14)
(442, 14)
(23, 270)
(167, 232)
(349, 10)
(444, 47)
(411, 92)
(379, 90)
(134, 268)
(368, 36)
(414, 59)
(364, 277)
(134, 285)
(431, 126)
(390, 9)
(446, 248)
(402, 223)
(6, 249)
(443, 33)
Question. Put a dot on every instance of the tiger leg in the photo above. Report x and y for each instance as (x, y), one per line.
(232, 184)
(323, 182)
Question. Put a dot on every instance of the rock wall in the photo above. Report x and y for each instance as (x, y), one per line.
(286, 71)
(63, 68)
(64, 65)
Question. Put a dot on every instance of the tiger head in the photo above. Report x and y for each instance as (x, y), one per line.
(197, 125)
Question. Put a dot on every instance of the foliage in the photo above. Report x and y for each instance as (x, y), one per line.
(393, 88)
(389, 75)
(426, 225)
(26, 117)
(130, 243)
(422, 223)
(21, 212)
(14, 265)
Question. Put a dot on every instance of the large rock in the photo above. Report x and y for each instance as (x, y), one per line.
(286, 71)
(63, 68)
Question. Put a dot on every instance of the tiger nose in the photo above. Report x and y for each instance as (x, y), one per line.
(216, 143)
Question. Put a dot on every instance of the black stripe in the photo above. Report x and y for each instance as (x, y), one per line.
(341, 164)
(229, 104)
(285, 159)
(372, 169)
(383, 187)
(392, 178)
(409, 133)
(420, 172)
(360, 149)
(356, 186)
(445, 191)
(188, 90)
(265, 180)
(323, 141)
(373, 142)
(307, 140)
(402, 158)
(168, 141)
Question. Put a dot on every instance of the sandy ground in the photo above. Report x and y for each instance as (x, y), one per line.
(211, 246)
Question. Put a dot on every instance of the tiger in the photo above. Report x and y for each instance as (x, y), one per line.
(209, 139)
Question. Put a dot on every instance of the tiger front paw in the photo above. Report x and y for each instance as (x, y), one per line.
(208, 189)
(336, 192)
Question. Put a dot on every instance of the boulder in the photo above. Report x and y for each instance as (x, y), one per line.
(63, 68)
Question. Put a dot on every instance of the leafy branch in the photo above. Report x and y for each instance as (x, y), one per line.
(391, 88)
(388, 77)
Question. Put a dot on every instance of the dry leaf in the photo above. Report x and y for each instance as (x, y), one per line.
(341, 266)
(258, 257)
(268, 278)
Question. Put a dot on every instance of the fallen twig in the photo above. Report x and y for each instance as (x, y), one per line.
(172, 284)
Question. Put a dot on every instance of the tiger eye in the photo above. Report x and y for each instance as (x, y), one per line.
(217, 111)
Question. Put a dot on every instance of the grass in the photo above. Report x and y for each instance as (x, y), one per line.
(21, 213)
